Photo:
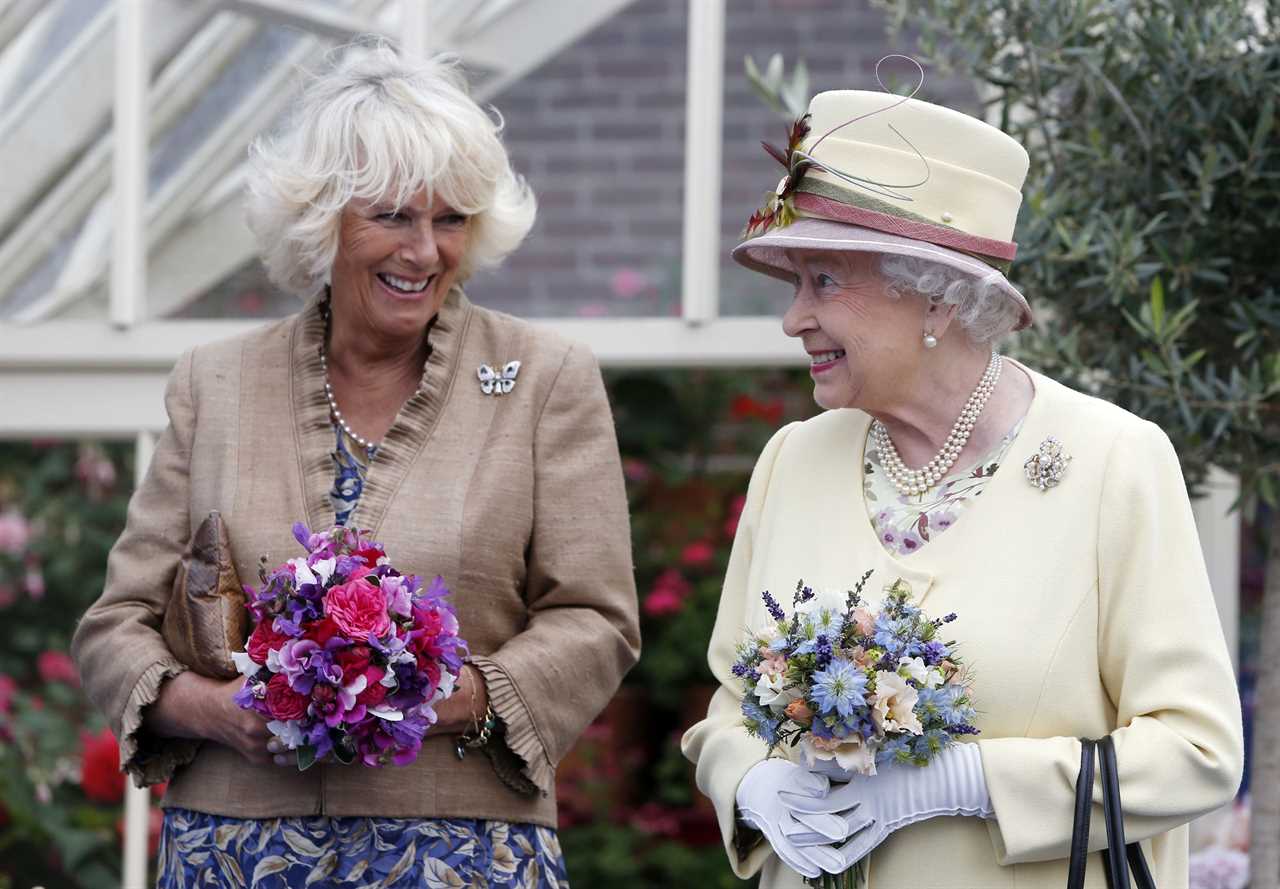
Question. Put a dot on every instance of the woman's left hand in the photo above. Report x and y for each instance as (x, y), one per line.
(869, 808)
(465, 708)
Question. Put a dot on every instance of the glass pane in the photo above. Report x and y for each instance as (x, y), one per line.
(840, 43)
(41, 280)
(66, 21)
(245, 293)
(218, 99)
(598, 132)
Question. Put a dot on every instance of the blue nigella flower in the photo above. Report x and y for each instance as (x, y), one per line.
(761, 721)
(841, 687)
(928, 745)
(828, 621)
(896, 636)
(896, 749)
(952, 706)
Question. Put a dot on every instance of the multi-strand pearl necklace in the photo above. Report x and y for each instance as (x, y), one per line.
(918, 481)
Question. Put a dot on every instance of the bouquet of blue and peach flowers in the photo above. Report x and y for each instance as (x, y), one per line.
(854, 688)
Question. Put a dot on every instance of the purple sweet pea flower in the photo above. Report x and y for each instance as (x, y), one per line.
(396, 591)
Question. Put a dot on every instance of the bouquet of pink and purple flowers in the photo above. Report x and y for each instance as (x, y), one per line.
(349, 656)
(854, 688)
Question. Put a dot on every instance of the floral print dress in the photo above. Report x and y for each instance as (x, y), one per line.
(904, 522)
(200, 850)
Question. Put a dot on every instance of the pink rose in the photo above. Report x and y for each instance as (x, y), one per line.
(698, 554)
(358, 608)
(662, 602)
(15, 532)
(57, 666)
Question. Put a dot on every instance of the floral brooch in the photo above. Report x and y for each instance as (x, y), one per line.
(1045, 468)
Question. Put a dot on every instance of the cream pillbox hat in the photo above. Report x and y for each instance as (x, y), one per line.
(869, 171)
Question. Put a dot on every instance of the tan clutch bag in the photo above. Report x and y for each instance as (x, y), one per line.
(206, 619)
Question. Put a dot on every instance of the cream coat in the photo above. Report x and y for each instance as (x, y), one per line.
(1084, 610)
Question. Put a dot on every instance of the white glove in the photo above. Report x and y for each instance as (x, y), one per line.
(760, 806)
(870, 807)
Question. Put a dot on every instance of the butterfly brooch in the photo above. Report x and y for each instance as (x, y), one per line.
(494, 382)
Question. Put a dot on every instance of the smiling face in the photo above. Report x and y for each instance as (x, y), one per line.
(864, 344)
(395, 266)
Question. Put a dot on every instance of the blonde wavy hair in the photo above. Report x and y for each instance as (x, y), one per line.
(375, 126)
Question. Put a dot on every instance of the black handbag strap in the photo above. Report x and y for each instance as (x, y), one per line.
(1119, 858)
(1117, 866)
(1080, 822)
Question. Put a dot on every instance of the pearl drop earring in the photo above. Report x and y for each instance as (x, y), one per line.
(930, 341)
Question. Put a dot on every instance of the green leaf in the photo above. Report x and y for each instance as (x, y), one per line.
(306, 757)
(1157, 305)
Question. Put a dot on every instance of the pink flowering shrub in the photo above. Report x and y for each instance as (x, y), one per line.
(61, 508)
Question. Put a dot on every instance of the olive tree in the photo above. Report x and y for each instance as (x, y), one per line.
(1149, 236)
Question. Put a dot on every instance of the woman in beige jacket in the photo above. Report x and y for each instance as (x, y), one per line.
(1055, 525)
(470, 444)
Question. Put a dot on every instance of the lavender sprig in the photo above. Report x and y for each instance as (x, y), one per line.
(775, 610)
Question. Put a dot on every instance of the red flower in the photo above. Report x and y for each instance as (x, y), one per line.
(7, 689)
(57, 666)
(744, 407)
(282, 701)
(100, 774)
(373, 693)
(698, 554)
(353, 661)
(370, 554)
(736, 506)
(636, 471)
(263, 639)
(358, 608)
(321, 630)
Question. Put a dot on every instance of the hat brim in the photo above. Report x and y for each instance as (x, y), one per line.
(767, 253)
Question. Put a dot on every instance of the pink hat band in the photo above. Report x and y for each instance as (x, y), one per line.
(995, 253)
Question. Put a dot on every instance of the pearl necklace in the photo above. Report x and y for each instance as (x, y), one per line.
(368, 446)
(918, 481)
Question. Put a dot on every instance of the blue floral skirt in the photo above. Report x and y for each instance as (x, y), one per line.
(199, 850)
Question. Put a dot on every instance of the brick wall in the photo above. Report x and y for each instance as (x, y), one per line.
(598, 130)
(599, 133)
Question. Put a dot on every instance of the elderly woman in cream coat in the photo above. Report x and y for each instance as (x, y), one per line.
(469, 443)
(1056, 525)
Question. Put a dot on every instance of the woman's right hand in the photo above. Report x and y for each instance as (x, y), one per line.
(195, 706)
(760, 806)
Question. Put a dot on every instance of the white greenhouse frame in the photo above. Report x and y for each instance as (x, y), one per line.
(105, 378)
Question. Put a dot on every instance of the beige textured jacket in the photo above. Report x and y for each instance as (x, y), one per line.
(1083, 610)
(516, 500)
